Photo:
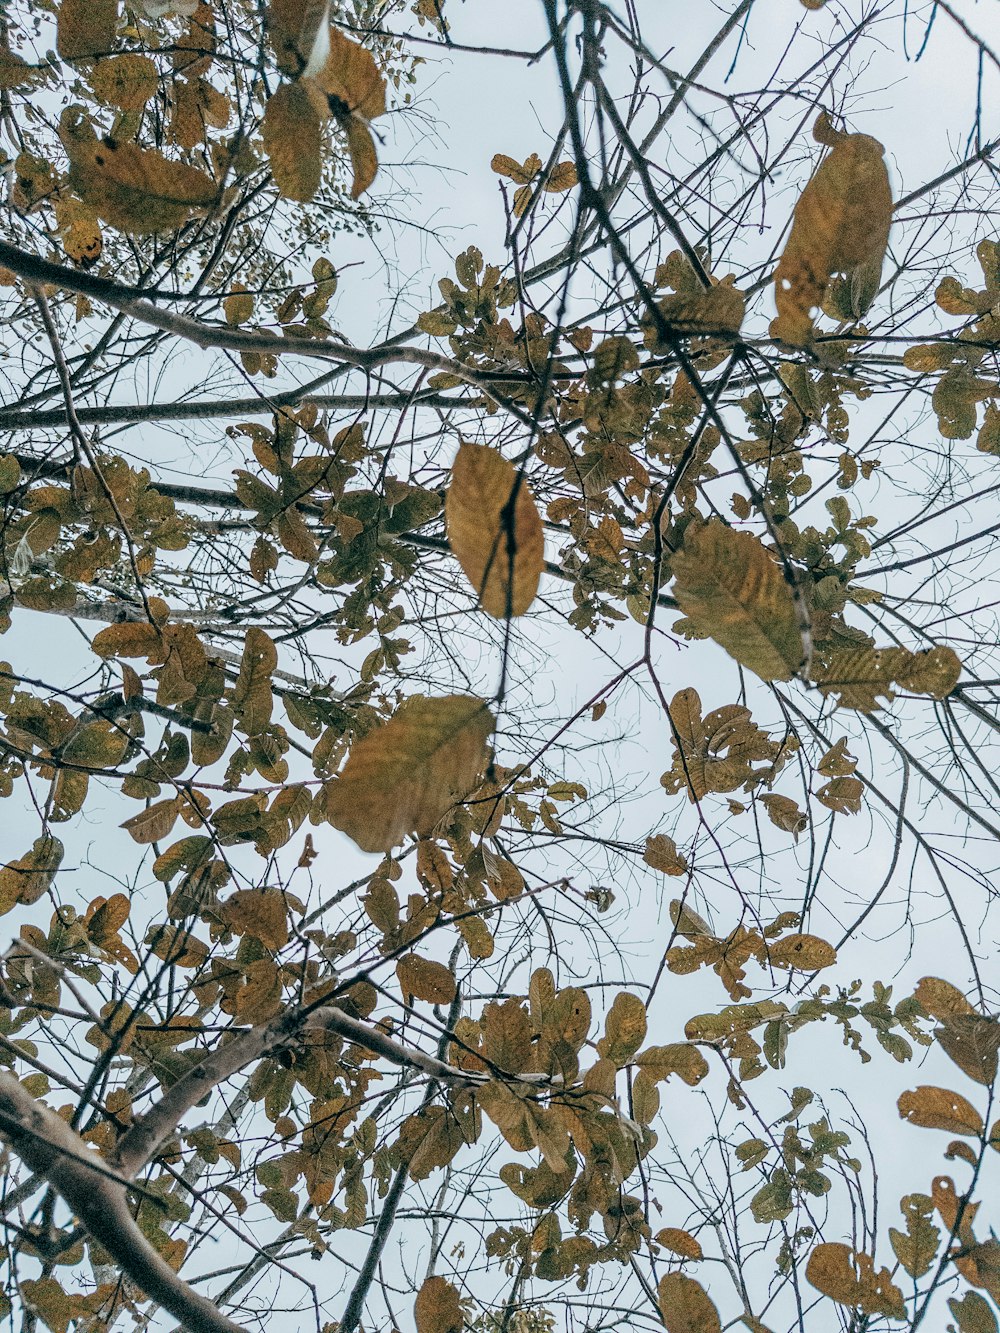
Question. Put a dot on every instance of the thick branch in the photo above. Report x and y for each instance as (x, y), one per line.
(50, 1148)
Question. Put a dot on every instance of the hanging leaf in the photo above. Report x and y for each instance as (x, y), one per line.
(299, 31)
(137, 190)
(972, 1041)
(406, 775)
(494, 530)
(425, 979)
(355, 92)
(686, 1306)
(939, 1108)
(841, 224)
(917, 1247)
(293, 137)
(253, 700)
(973, 1313)
(734, 591)
(849, 1278)
(437, 1308)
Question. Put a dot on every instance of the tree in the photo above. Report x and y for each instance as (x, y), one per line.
(408, 992)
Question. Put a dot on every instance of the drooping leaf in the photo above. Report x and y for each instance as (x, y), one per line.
(625, 1029)
(661, 853)
(437, 1308)
(494, 530)
(27, 878)
(685, 1306)
(407, 774)
(972, 1041)
(293, 138)
(298, 30)
(733, 590)
(841, 225)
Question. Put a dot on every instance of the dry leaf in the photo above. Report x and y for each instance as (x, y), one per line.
(437, 1308)
(661, 853)
(407, 774)
(494, 530)
(734, 590)
(137, 190)
(972, 1041)
(293, 134)
(86, 28)
(261, 913)
(686, 1306)
(939, 1108)
(841, 224)
(849, 1277)
(680, 1242)
(425, 979)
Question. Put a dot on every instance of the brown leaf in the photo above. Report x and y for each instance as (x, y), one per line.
(841, 224)
(808, 953)
(972, 1041)
(661, 853)
(86, 28)
(939, 1108)
(27, 878)
(425, 979)
(153, 823)
(941, 999)
(437, 1308)
(680, 1242)
(849, 1277)
(126, 81)
(137, 190)
(624, 1030)
(293, 138)
(494, 530)
(407, 774)
(261, 913)
(733, 590)
(686, 1306)
(293, 27)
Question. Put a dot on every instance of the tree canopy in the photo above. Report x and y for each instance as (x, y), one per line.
(498, 725)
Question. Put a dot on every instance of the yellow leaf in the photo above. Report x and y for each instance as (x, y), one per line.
(238, 306)
(137, 190)
(687, 922)
(292, 135)
(849, 1278)
(129, 639)
(625, 1029)
(686, 1306)
(86, 28)
(425, 979)
(79, 230)
(261, 913)
(939, 1108)
(733, 590)
(127, 81)
(494, 530)
(437, 1308)
(972, 1041)
(841, 224)
(680, 1242)
(661, 853)
(806, 952)
(406, 775)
